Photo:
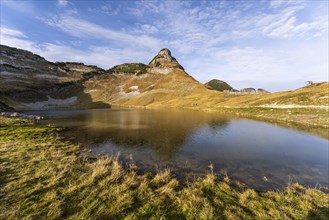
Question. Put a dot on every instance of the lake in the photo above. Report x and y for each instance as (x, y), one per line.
(259, 154)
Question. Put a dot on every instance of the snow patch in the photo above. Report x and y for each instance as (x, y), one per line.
(91, 90)
(123, 94)
(133, 87)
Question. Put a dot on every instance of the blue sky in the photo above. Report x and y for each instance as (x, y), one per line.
(276, 45)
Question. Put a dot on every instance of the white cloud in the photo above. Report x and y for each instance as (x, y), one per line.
(214, 23)
(22, 7)
(62, 3)
(148, 29)
(107, 9)
(15, 38)
(104, 57)
(285, 25)
(282, 68)
(85, 29)
(11, 32)
(237, 42)
(275, 4)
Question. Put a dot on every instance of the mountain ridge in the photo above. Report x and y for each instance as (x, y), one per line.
(28, 81)
(76, 85)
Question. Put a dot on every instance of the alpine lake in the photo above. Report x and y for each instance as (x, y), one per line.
(191, 144)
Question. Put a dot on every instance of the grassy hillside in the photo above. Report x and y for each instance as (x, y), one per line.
(44, 177)
(178, 89)
(316, 94)
(143, 89)
(129, 68)
(218, 85)
(29, 78)
(288, 107)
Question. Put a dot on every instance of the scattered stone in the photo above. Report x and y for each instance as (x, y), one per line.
(248, 91)
(265, 178)
(21, 115)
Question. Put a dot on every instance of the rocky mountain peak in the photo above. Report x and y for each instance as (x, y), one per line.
(163, 62)
(164, 54)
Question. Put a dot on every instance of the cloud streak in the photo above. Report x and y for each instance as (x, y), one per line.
(62, 3)
(104, 57)
(266, 41)
(84, 29)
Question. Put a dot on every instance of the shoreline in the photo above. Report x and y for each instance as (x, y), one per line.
(302, 118)
(44, 176)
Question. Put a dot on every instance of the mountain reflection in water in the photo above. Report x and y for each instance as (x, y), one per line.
(188, 141)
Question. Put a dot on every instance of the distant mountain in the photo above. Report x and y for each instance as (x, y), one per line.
(218, 85)
(262, 91)
(222, 86)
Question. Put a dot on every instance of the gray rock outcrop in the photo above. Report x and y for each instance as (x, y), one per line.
(262, 91)
(248, 91)
(163, 63)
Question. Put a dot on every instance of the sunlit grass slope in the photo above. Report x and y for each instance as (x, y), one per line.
(43, 177)
(179, 90)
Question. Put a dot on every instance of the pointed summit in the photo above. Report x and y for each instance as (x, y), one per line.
(163, 62)
(163, 55)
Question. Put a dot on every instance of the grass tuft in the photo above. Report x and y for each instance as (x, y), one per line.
(43, 177)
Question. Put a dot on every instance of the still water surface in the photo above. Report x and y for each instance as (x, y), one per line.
(187, 142)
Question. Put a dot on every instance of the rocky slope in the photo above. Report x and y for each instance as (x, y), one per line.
(28, 81)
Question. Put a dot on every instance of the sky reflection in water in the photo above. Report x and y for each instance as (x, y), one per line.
(188, 141)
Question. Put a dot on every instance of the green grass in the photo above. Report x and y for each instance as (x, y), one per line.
(44, 177)
(315, 121)
(129, 68)
(218, 85)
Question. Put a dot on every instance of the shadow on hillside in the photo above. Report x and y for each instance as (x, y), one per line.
(320, 213)
(56, 91)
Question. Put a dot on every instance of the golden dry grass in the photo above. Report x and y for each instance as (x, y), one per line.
(179, 90)
(44, 177)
